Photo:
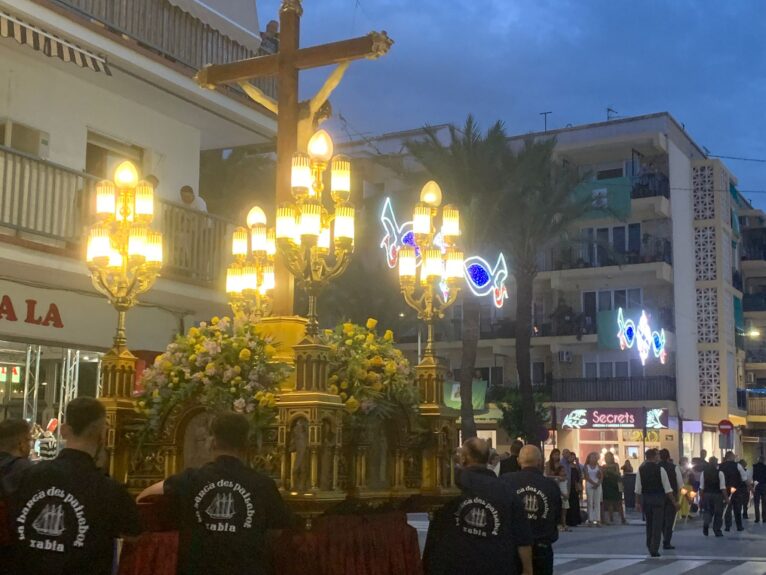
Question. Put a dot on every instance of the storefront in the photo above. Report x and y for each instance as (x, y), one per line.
(624, 431)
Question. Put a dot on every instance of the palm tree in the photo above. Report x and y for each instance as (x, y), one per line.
(535, 208)
(470, 169)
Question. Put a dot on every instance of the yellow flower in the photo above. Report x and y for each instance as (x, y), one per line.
(372, 377)
(352, 405)
(334, 389)
(269, 350)
(192, 358)
(344, 384)
(371, 323)
(264, 401)
(377, 386)
(359, 337)
(343, 396)
(390, 368)
(215, 320)
(389, 335)
(259, 395)
(348, 328)
(233, 389)
(349, 342)
(370, 337)
(333, 378)
(328, 332)
(377, 361)
(244, 355)
(198, 348)
(193, 332)
(272, 401)
(237, 369)
(166, 365)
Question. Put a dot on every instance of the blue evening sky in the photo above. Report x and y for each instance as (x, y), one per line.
(704, 61)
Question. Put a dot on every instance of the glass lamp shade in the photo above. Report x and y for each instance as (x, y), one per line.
(407, 264)
(259, 239)
(144, 200)
(344, 223)
(154, 248)
(320, 146)
(421, 219)
(249, 278)
(286, 224)
(115, 259)
(256, 216)
(300, 175)
(234, 280)
(340, 179)
(323, 241)
(431, 194)
(126, 175)
(99, 245)
(239, 242)
(311, 219)
(450, 221)
(433, 265)
(454, 266)
(269, 279)
(137, 243)
(271, 243)
(105, 200)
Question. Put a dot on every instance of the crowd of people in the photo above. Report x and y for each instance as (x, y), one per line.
(65, 515)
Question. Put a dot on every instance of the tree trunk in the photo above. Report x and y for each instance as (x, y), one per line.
(470, 329)
(530, 424)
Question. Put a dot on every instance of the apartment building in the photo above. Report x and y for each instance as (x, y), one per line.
(638, 314)
(83, 86)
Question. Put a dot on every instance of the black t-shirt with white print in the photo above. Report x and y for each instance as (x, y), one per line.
(66, 515)
(225, 509)
(479, 531)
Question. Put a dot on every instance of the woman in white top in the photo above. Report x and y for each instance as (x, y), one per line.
(593, 479)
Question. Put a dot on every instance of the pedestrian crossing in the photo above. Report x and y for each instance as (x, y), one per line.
(572, 564)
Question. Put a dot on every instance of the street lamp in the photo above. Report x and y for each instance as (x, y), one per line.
(316, 244)
(430, 274)
(124, 256)
(250, 277)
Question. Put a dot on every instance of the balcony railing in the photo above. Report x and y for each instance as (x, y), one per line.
(754, 301)
(757, 355)
(44, 202)
(754, 244)
(169, 31)
(652, 250)
(650, 186)
(615, 389)
(756, 404)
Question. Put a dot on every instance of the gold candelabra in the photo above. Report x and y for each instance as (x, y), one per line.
(250, 278)
(316, 244)
(430, 274)
(124, 254)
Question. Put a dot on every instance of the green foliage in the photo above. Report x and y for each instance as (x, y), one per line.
(223, 365)
(371, 376)
(513, 414)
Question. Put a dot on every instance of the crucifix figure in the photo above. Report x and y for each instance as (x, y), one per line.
(295, 123)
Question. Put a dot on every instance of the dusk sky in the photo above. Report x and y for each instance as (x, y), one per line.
(703, 61)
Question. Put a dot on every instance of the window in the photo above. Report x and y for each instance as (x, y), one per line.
(634, 238)
(538, 372)
(496, 375)
(604, 300)
(618, 240)
(103, 154)
(24, 138)
(600, 243)
(605, 367)
(609, 174)
(621, 369)
(591, 370)
(610, 299)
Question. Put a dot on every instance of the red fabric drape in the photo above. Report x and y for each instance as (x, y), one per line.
(381, 544)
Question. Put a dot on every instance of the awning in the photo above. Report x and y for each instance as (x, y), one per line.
(50, 45)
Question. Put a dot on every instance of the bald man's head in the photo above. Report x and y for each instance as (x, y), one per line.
(475, 451)
(530, 456)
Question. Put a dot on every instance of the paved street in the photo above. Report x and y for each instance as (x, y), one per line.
(621, 550)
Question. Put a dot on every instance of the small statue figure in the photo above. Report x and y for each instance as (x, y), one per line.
(327, 457)
(299, 447)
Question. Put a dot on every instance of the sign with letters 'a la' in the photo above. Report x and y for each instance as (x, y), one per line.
(613, 418)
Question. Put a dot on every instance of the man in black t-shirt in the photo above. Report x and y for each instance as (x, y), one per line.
(15, 444)
(66, 513)
(511, 463)
(736, 485)
(483, 530)
(541, 497)
(759, 490)
(225, 508)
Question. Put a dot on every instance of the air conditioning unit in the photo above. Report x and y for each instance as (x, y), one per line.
(565, 357)
(750, 377)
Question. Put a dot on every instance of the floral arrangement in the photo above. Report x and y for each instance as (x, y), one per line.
(224, 364)
(371, 376)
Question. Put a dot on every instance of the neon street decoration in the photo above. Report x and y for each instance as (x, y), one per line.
(641, 336)
(482, 278)
(485, 280)
(613, 418)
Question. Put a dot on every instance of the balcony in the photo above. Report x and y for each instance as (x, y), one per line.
(655, 388)
(754, 301)
(755, 355)
(170, 32)
(650, 186)
(756, 405)
(652, 250)
(46, 206)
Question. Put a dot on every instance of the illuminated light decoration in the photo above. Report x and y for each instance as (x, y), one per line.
(641, 336)
(396, 236)
(485, 280)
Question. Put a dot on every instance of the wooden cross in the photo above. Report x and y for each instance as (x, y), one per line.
(286, 65)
